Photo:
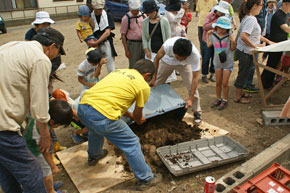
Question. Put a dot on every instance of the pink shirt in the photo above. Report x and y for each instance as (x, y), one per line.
(207, 25)
(135, 31)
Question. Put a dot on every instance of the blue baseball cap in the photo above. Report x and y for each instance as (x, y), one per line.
(223, 22)
(84, 11)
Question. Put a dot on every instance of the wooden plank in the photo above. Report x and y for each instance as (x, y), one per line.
(208, 129)
(274, 70)
(92, 179)
(277, 86)
(261, 88)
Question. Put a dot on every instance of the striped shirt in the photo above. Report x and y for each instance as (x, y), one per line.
(250, 26)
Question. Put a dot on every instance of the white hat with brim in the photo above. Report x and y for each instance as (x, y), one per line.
(134, 4)
(98, 4)
(42, 17)
(223, 7)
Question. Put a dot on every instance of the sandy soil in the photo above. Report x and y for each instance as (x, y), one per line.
(238, 119)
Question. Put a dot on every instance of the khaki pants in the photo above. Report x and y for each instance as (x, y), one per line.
(164, 70)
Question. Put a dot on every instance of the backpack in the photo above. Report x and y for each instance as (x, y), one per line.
(129, 19)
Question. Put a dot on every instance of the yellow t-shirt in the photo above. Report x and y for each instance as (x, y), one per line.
(203, 7)
(84, 28)
(114, 94)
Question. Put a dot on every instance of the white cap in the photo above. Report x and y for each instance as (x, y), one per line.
(98, 4)
(134, 4)
(42, 17)
(223, 7)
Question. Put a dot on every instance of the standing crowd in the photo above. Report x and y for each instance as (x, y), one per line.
(157, 48)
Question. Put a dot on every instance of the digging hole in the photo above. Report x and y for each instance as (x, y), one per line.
(229, 181)
(220, 188)
(238, 175)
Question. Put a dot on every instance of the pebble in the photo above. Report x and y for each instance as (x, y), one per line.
(172, 183)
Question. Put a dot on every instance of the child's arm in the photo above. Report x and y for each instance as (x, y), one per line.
(208, 42)
(80, 36)
(47, 157)
(233, 42)
(82, 80)
(99, 67)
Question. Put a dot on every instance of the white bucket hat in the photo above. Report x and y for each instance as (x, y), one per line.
(98, 4)
(134, 4)
(42, 17)
(223, 7)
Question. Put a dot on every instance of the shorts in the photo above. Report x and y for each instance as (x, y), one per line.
(46, 170)
(90, 37)
(285, 61)
(230, 68)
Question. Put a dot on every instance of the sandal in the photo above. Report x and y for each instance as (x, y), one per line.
(247, 96)
(242, 100)
(223, 105)
(216, 103)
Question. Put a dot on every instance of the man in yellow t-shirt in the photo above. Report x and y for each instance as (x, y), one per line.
(101, 108)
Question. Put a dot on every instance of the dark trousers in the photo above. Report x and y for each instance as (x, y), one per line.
(200, 31)
(273, 62)
(19, 170)
(207, 55)
(245, 65)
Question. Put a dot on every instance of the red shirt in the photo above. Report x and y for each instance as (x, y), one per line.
(184, 20)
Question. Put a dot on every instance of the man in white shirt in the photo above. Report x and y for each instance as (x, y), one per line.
(180, 54)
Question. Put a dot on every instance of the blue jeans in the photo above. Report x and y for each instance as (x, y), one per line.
(18, 167)
(207, 55)
(117, 132)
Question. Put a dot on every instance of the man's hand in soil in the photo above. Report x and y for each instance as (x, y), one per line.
(188, 103)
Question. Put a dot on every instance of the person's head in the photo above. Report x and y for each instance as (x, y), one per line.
(250, 6)
(95, 56)
(182, 48)
(150, 8)
(286, 6)
(223, 25)
(51, 41)
(89, 4)
(222, 8)
(60, 113)
(185, 4)
(271, 3)
(134, 7)
(174, 5)
(84, 13)
(146, 68)
(98, 6)
(42, 20)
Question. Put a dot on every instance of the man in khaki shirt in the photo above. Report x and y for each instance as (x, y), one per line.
(24, 72)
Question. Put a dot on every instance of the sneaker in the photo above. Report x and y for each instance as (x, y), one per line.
(251, 89)
(77, 139)
(94, 161)
(142, 186)
(57, 147)
(212, 78)
(197, 118)
(223, 105)
(57, 185)
(216, 103)
(204, 79)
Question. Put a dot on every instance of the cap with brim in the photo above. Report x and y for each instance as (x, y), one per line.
(134, 4)
(42, 17)
(174, 5)
(222, 7)
(54, 35)
(98, 4)
(223, 22)
(273, 1)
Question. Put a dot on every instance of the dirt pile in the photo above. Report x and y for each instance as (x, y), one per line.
(160, 131)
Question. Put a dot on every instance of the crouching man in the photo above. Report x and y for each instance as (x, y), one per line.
(181, 55)
(101, 108)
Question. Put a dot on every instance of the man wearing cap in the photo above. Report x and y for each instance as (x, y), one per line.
(131, 33)
(279, 30)
(23, 89)
(104, 23)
